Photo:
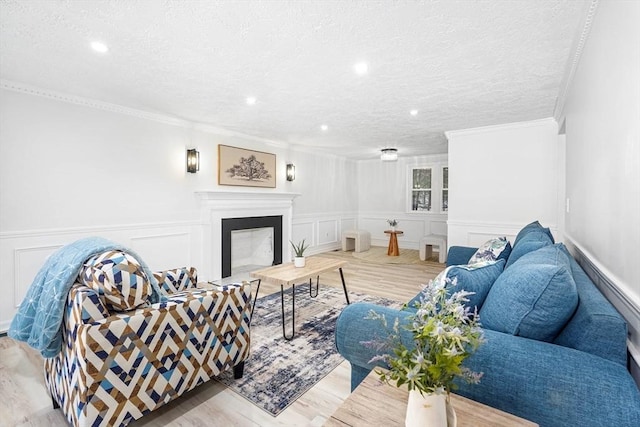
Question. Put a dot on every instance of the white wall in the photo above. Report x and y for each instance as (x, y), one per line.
(602, 114)
(71, 168)
(328, 201)
(501, 178)
(383, 195)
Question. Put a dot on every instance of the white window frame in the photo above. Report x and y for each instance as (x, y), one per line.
(437, 169)
(443, 189)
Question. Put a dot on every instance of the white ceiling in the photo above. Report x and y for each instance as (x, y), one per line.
(461, 64)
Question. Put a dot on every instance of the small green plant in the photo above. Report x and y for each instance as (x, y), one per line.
(444, 334)
(392, 222)
(299, 248)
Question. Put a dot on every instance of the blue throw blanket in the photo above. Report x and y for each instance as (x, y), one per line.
(39, 318)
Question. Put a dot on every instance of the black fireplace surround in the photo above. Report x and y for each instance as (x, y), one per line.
(232, 224)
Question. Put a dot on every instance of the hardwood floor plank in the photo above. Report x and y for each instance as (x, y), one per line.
(24, 400)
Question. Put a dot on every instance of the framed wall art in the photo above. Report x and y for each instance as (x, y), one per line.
(247, 168)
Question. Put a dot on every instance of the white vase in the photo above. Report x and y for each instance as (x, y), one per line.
(299, 261)
(429, 410)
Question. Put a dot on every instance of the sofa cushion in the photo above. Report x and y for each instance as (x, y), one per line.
(532, 241)
(492, 250)
(118, 278)
(477, 278)
(533, 298)
(534, 226)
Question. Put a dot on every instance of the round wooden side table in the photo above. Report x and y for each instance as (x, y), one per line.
(393, 242)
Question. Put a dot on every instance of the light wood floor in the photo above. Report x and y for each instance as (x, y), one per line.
(24, 401)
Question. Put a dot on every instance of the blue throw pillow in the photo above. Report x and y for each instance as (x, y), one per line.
(534, 298)
(477, 278)
(534, 226)
(532, 241)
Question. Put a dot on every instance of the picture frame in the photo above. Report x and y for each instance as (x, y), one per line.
(246, 168)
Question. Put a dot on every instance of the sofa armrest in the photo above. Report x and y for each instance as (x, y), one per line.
(543, 382)
(176, 280)
(460, 255)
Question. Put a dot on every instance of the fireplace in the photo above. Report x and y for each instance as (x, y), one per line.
(216, 206)
(229, 225)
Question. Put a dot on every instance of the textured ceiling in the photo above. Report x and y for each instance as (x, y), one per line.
(461, 64)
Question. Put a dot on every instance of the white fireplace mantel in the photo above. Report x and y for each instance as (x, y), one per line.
(219, 204)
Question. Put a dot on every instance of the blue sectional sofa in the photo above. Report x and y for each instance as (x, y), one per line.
(555, 350)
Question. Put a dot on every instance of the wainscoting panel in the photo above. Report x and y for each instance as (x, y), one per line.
(323, 231)
(476, 233)
(22, 253)
(302, 230)
(327, 231)
(414, 227)
(164, 251)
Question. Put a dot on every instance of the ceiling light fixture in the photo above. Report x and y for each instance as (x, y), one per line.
(389, 154)
(324, 128)
(361, 68)
(99, 47)
(251, 100)
(413, 112)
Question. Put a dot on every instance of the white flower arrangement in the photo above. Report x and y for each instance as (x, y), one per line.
(444, 332)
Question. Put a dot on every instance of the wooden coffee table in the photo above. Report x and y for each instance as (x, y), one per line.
(375, 403)
(288, 274)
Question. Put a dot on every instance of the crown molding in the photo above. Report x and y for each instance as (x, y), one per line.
(572, 63)
(506, 126)
(119, 109)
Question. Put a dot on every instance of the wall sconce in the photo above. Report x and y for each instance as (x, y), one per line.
(389, 154)
(193, 160)
(291, 172)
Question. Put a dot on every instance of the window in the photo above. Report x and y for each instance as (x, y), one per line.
(428, 188)
(445, 189)
(421, 190)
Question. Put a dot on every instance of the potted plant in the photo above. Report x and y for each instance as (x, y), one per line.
(444, 333)
(299, 260)
(393, 224)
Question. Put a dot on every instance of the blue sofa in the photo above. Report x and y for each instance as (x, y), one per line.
(555, 350)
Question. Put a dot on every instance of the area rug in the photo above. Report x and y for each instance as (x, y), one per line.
(378, 255)
(278, 371)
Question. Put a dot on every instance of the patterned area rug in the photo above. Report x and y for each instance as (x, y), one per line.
(280, 371)
(378, 255)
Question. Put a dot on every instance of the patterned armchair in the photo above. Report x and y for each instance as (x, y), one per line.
(123, 357)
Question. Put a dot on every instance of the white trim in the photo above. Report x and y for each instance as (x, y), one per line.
(489, 224)
(572, 63)
(115, 108)
(494, 128)
(93, 229)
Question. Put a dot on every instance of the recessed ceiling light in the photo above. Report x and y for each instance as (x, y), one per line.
(251, 100)
(99, 47)
(324, 128)
(361, 68)
(413, 112)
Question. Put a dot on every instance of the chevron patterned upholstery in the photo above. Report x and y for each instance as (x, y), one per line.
(117, 366)
(177, 280)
